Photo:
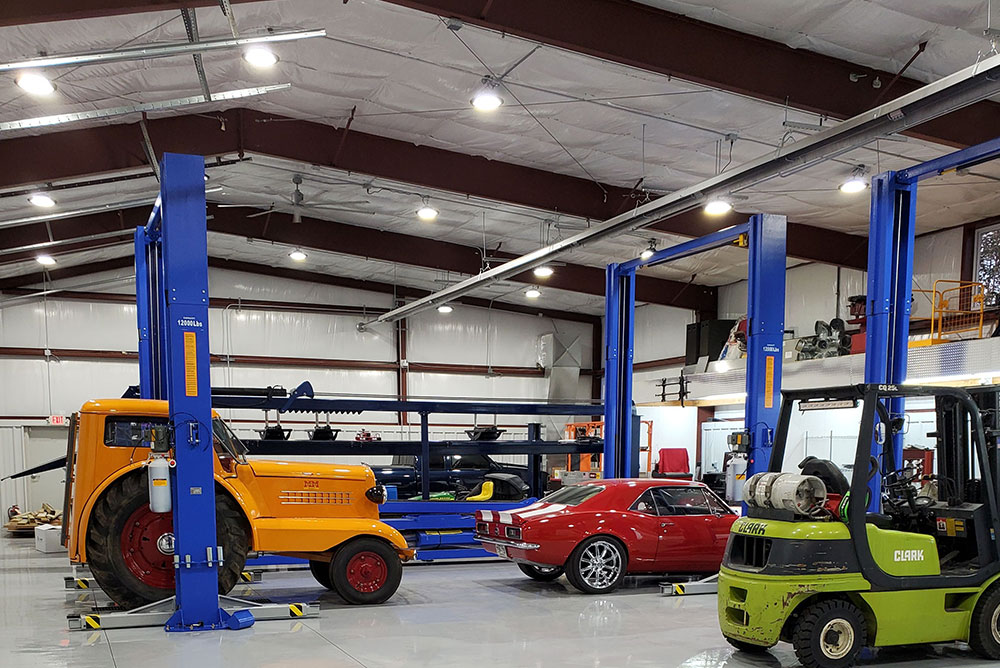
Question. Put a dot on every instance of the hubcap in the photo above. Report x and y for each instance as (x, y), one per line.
(145, 539)
(837, 639)
(367, 572)
(600, 564)
(165, 544)
(995, 624)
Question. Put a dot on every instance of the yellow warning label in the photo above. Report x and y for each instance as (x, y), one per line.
(769, 382)
(82, 584)
(295, 609)
(159, 483)
(190, 364)
(679, 589)
(93, 621)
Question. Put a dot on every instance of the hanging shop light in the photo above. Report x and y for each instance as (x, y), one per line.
(260, 57)
(718, 206)
(856, 182)
(42, 200)
(298, 255)
(34, 83)
(45, 260)
(445, 308)
(649, 250)
(427, 213)
(533, 293)
(487, 98)
(544, 271)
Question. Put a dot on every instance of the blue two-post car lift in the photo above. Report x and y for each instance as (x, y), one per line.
(890, 277)
(764, 237)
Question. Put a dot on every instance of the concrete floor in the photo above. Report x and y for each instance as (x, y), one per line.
(462, 615)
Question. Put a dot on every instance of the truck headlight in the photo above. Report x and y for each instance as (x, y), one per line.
(377, 495)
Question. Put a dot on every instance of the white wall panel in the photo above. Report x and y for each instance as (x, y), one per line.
(463, 336)
(937, 256)
(236, 331)
(645, 384)
(660, 331)
(69, 324)
(673, 427)
(236, 284)
(24, 389)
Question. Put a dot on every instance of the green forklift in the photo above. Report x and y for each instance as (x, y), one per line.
(811, 564)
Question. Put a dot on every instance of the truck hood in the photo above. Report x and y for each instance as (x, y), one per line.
(275, 469)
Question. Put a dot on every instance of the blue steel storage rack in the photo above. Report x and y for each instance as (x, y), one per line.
(764, 236)
(890, 277)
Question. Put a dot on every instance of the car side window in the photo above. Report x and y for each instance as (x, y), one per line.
(715, 504)
(645, 504)
(681, 501)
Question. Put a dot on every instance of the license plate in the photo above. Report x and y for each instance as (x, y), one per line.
(502, 551)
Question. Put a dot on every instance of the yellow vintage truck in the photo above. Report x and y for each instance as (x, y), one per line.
(326, 513)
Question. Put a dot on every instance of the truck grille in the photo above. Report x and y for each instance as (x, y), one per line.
(296, 498)
(751, 551)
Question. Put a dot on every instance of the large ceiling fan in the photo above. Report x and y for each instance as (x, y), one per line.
(298, 204)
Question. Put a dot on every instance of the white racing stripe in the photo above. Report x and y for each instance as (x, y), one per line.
(487, 515)
(505, 518)
(549, 508)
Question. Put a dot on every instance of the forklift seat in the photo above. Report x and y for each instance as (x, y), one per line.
(879, 520)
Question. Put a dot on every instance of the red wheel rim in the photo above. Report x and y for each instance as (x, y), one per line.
(367, 572)
(141, 547)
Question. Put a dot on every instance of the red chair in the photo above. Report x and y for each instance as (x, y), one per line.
(673, 463)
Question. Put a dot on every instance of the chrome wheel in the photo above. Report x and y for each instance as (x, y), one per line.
(600, 564)
(995, 624)
(837, 639)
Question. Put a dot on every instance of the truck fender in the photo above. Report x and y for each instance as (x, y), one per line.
(79, 533)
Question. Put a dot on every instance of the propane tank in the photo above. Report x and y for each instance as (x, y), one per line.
(159, 485)
(800, 494)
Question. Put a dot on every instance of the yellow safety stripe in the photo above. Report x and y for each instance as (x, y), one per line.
(678, 589)
(295, 609)
(247, 576)
(82, 584)
(93, 621)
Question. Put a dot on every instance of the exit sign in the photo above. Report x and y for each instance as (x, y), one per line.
(58, 420)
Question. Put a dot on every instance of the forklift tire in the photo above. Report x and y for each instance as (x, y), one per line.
(321, 571)
(130, 548)
(366, 571)
(541, 573)
(829, 634)
(747, 647)
(984, 629)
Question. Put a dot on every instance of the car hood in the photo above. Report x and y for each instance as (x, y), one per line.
(276, 469)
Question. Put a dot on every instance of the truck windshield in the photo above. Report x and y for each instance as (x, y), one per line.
(573, 495)
(226, 441)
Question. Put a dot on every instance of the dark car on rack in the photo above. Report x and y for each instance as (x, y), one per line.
(449, 473)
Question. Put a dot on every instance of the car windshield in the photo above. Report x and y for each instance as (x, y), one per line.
(573, 495)
(226, 441)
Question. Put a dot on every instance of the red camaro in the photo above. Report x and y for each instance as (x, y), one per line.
(597, 532)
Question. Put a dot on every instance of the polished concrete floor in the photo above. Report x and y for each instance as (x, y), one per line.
(470, 615)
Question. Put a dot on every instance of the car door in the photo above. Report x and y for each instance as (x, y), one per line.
(645, 528)
(721, 522)
(687, 529)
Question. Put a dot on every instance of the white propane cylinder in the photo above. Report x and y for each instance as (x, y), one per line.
(798, 493)
(762, 490)
(749, 489)
(736, 470)
(159, 485)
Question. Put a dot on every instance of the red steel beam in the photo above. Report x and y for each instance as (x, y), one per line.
(84, 152)
(361, 242)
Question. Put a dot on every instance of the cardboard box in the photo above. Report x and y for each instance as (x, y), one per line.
(47, 538)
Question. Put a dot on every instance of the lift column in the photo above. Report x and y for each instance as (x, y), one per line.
(765, 331)
(890, 275)
(172, 278)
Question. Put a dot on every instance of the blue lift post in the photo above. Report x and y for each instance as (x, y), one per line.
(890, 279)
(764, 236)
(172, 309)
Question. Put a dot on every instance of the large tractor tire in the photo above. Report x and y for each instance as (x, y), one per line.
(321, 571)
(366, 571)
(130, 548)
(984, 629)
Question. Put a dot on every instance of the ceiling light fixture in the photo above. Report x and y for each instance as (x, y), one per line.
(298, 255)
(45, 260)
(649, 250)
(33, 83)
(42, 200)
(532, 293)
(718, 206)
(445, 308)
(856, 182)
(260, 57)
(427, 212)
(544, 271)
(487, 98)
